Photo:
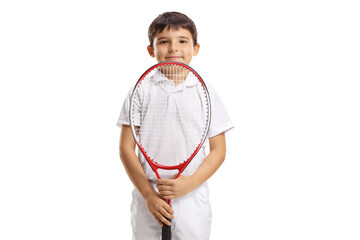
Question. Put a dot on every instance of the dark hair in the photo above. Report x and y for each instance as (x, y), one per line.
(171, 20)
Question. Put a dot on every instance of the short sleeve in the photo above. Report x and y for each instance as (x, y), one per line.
(124, 113)
(220, 120)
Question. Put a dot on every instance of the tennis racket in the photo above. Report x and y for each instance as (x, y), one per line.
(169, 119)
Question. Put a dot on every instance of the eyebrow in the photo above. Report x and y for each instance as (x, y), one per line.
(161, 38)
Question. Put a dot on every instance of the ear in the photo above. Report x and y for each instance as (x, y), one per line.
(151, 51)
(196, 49)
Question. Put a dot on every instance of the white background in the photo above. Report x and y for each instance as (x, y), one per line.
(287, 71)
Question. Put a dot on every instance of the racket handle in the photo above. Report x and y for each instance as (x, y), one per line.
(166, 232)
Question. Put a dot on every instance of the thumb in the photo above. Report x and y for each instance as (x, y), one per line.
(174, 176)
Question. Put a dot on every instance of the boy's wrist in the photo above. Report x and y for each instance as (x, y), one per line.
(150, 193)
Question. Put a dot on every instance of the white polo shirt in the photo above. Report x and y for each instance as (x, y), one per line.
(166, 95)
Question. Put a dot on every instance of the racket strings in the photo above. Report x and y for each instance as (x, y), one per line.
(171, 110)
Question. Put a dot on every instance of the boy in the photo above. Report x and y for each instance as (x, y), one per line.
(173, 37)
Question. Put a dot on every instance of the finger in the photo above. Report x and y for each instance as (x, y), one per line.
(168, 208)
(163, 218)
(168, 182)
(166, 194)
(169, 197)
(157, 219)
(166, 214)
(164, 187)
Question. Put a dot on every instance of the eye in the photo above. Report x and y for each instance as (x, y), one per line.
(163, 42)
(183, 41)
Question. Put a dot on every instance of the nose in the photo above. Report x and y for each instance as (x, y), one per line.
(173, 47)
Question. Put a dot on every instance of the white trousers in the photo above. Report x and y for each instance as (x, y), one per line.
(192, 217)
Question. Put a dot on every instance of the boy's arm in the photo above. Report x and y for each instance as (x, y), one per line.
(156, 205)
(174, 188)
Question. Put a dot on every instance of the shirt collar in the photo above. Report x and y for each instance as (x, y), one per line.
(159, 78)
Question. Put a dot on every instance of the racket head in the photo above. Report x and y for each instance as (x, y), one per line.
(170, 114)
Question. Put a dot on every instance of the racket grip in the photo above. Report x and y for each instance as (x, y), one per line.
(166, 232)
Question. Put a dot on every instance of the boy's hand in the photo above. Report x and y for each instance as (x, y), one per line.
(160, 210)
(174, 188)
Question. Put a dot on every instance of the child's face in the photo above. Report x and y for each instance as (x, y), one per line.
(174, 45)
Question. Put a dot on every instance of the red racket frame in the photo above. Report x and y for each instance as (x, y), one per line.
(154, 165)
(180, 167)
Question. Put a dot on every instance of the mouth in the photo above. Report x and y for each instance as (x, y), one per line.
(173, 57)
